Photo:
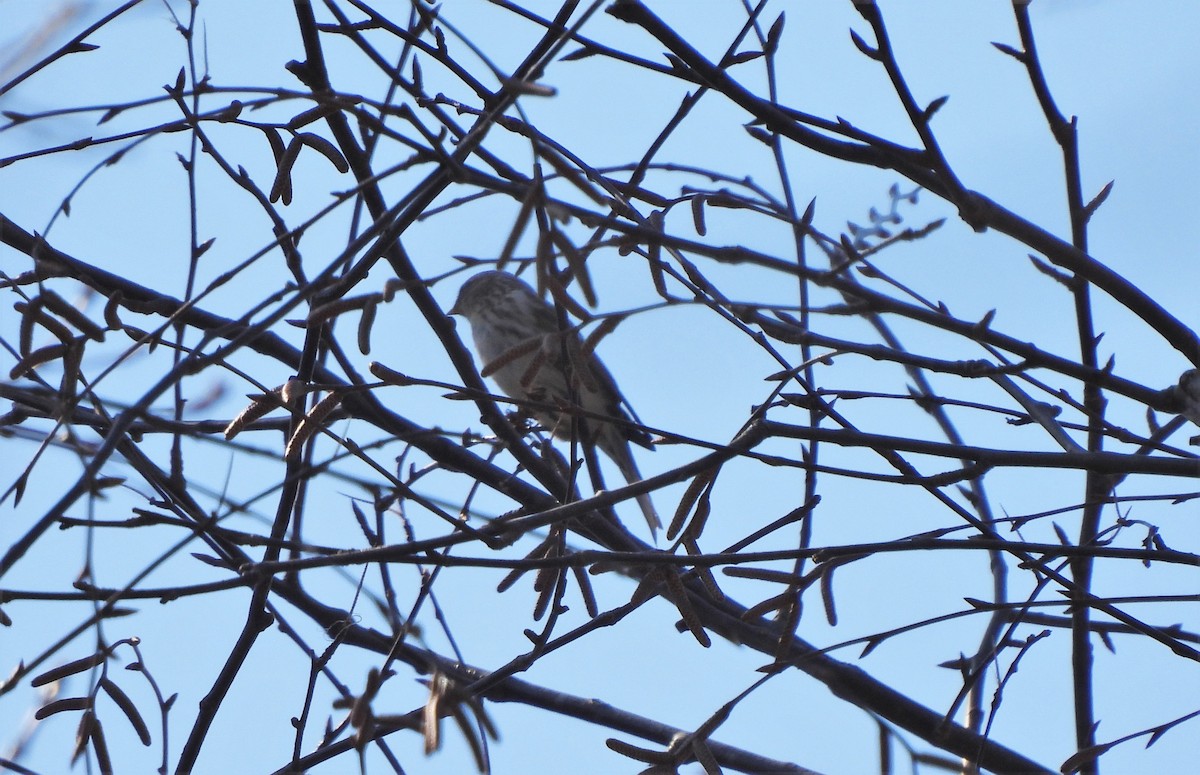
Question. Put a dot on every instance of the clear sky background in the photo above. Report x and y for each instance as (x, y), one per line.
(1127, 70)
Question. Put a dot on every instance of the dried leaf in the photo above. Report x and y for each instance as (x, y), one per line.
(677, 594)
(690, 496)
(585, 591)
(390, 376)
(36, 358)
(281, 188)
(70, 668)
(66, 704)
(827, 595)
(260, 406)
(326, 149)
(111, 319)
(312, 424)
(276, 143)
(68, 311)
(1080, 759)
(698, 214)
(365, 322)
(128, 708)
(324, 312)
(99, 744)
(314, 113)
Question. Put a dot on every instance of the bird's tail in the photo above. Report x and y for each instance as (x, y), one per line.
(651, 515)
(629, 470)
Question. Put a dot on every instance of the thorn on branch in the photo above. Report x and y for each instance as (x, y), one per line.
(530, 88)
(203, 247)
(1090, 208)
(302, 72)
(580, 53)
(417, 78)
(1069, 281)
(934, 107)
(679, 67)
(741, 58)
(230, 113)
(773, 36)
(807, 218)
(1012, 52)
(861, 45)
(428, 17)
(760, 134)
(176, 91)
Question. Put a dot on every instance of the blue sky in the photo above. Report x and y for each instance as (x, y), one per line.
(1124, 69)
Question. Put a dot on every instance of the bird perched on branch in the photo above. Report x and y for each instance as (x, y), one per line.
(532, 359)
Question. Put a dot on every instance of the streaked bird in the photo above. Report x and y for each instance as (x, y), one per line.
(532, 359)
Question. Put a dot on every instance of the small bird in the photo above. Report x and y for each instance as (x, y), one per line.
(532, 359)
